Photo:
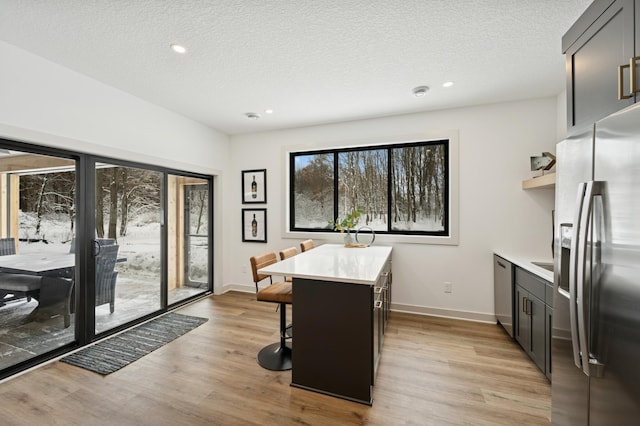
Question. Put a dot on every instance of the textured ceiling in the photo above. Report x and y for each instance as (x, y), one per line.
(310, 61)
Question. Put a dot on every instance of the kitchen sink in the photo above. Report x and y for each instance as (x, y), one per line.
(545, 265)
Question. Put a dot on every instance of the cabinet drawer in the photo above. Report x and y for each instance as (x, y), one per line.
(531, 283)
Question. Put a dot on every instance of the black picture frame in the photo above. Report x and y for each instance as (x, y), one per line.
(251, 217)
(254, 186)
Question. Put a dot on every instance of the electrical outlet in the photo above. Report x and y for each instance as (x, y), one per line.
(448, 287)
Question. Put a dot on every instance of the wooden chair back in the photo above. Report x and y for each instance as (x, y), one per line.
(306, 245)
(288, 252)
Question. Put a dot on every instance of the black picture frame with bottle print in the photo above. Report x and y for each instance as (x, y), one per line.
(254, 225)
(254, 186)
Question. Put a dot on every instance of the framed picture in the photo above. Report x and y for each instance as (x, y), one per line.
(254, 186)
(254, 225)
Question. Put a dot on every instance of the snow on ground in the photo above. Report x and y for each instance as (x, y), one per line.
(141, 245)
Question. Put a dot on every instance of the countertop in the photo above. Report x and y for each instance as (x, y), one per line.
(334, 262)
(525, 263)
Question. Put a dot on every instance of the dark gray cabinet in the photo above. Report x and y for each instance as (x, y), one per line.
(600, 50)
(381, 307)
(530, 329)
(340, 329)
(548, 322)
(533, 317)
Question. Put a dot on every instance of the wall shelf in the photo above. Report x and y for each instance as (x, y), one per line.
(545, 181)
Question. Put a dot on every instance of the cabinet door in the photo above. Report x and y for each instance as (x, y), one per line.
(538, 315)
(547, 369)
(593, 65)
(523, 322)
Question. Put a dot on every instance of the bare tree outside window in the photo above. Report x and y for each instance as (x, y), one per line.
(401, 188)
(312, 198)
(363, 183)
(122, 193)
(418, 188)
(48, 194)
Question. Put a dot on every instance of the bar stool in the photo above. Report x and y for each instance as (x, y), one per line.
(276, 356)
(306, 245)
(287, 253)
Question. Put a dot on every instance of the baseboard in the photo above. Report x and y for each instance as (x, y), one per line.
(243, 288)
(397, 307)
(445, 313)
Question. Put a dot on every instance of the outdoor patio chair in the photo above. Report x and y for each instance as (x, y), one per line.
(17, 285)
(106, 275)
(7, 246)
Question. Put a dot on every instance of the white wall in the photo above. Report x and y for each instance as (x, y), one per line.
(60, 107)
(496, 142)
(44, 103)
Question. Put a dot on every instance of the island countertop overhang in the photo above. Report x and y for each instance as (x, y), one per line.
(336, 263)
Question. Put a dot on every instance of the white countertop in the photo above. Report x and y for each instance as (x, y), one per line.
(525, 263)
(334, 262)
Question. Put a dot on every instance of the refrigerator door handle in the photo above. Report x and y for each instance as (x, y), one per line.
(573, 266)
(592, 190)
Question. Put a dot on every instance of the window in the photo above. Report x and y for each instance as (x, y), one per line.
(401, 188)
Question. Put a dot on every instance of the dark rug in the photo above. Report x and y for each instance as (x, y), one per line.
(121, 350)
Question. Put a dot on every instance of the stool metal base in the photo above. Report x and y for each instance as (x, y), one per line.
(275, 358)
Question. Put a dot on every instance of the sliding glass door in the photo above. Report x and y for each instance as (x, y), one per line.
(90, 246)
(128, 244)
(38, 201)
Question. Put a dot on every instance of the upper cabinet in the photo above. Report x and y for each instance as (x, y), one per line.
(602, 50)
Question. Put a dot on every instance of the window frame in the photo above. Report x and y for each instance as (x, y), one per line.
(450, 235)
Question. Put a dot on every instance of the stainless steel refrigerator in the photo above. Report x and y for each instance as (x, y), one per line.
(596, 315)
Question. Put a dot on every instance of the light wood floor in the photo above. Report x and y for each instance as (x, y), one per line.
(433, 371)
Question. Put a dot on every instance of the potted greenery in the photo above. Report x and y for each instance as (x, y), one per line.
(347, 224)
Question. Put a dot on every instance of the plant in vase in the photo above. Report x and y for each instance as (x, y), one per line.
(347, 224)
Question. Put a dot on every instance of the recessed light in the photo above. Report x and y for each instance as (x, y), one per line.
(252, 115)
(420, 91)
(447, 84)
(178, 48)
(268, 111)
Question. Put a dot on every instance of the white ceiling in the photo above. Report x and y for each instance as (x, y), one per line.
(310, 61)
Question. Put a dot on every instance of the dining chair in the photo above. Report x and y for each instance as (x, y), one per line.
(276, 356)
(306, 245)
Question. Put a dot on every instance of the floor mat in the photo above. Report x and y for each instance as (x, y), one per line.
(121, 350)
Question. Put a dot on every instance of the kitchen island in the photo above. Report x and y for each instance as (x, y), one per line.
(341, 299)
